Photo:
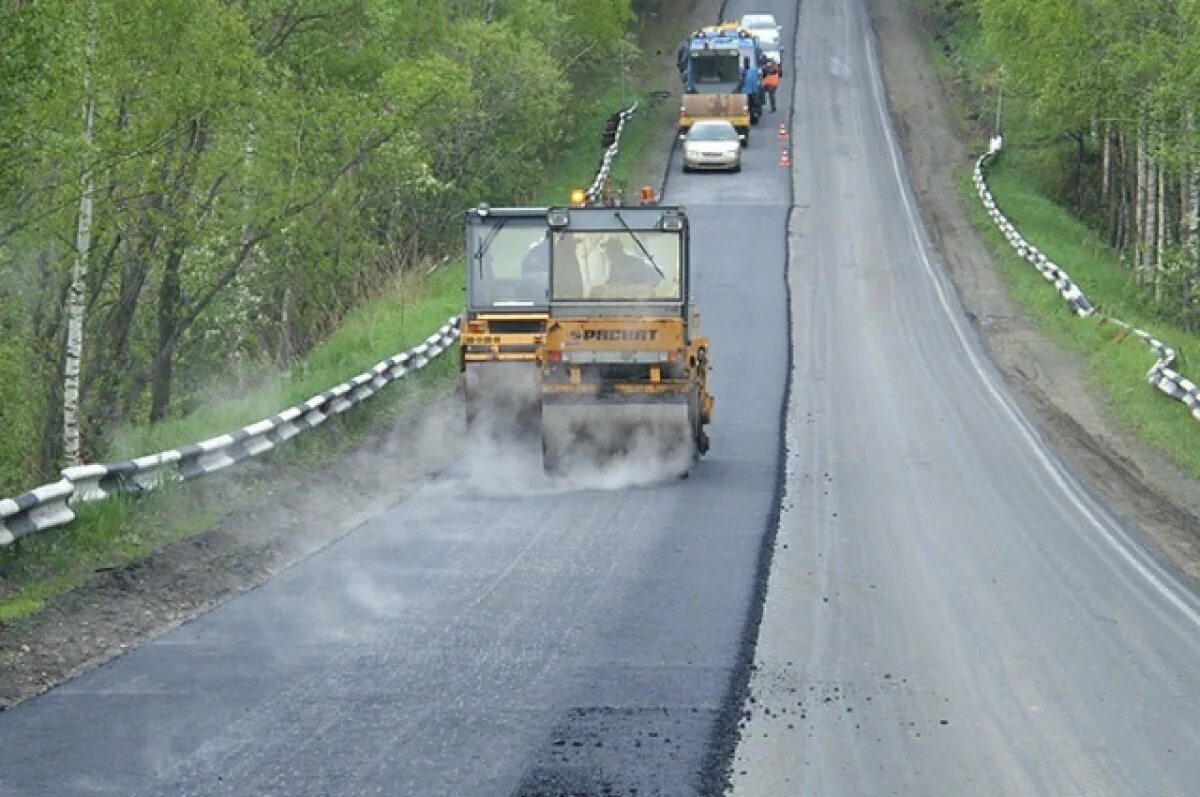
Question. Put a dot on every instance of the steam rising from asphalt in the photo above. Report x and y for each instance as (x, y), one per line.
(503, 450)
(500, 457)
(345, 608)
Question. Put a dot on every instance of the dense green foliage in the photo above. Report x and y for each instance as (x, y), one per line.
(1099, 96)
(259, 168)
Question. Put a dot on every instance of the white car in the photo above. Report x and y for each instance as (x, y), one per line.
(712, 144)
(763, 26)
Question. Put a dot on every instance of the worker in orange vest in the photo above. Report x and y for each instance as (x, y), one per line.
(770, 80)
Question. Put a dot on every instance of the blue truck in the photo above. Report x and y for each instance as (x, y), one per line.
(719, 67)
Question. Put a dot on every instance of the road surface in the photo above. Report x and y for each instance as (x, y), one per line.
(948, 611)
(479, 639)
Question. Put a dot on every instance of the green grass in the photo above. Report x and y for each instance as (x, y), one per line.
(104, 535)
(112, 533)
(1116, 361)
(21, 606)
(578, 166)
(373, 331)
(642, 135)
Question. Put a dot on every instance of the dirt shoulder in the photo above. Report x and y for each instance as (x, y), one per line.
(1140, 486)
(293, 518)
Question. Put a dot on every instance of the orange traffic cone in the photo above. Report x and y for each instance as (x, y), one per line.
(647, 195)
(782, 131)
(785, 160)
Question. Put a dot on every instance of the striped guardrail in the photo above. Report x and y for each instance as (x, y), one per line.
(1162, 375)
(51, 505)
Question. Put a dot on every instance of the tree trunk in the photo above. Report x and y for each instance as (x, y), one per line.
(168, 310)
(117, 328)
(1160, 237)
(1128, 190)
(1106, 167)
(170, 292)
(1151, 220)
(1142, 180)
(1080, 150)
(1116, 188)
(285, 353)
(1185, 198)
(1126, 175)
(1190, 191)
(76, 296)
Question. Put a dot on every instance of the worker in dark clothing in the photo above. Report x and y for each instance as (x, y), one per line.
(764, 59)
(626, 269)
(770, 81)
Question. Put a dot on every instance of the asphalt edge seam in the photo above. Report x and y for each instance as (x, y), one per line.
(715, 776)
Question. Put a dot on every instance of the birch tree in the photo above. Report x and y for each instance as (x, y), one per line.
(73, 358)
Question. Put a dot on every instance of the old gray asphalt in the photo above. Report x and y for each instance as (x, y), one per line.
(471, 645)
(948, 612)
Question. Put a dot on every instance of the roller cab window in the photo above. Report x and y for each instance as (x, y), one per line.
(615, 266)
(509, 263)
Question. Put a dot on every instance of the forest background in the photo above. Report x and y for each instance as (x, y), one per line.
(1100, 170)
(196, 193)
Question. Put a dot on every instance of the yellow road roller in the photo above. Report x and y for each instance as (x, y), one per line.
(504, 323)
(622, 373)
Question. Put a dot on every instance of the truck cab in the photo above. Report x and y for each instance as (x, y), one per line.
(721, 79)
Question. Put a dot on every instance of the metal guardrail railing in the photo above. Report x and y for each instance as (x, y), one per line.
(604, 170)
(51, 505)
(1162, 375)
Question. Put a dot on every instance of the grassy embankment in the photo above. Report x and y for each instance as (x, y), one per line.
(115, 532)
(1116, 361)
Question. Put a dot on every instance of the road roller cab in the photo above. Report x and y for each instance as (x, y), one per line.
(623, 373)
(508, 288)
